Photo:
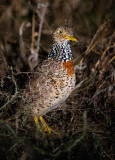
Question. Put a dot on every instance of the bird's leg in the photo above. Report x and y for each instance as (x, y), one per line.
(37, 123)
(46, 128)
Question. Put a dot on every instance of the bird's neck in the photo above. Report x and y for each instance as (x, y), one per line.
(61, 52)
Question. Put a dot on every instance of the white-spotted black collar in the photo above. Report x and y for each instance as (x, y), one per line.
(61, 52)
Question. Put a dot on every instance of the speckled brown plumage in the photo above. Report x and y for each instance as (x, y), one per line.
(52, 81)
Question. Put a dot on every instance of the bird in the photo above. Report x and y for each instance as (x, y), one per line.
(52, 81)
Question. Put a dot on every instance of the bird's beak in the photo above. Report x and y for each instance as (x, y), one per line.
(71, 38)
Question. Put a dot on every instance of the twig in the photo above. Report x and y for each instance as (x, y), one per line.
(86, 81)
(77, 86)
(40, 27)
(111, 60)
(98, 40)
(22, 48)
(33, 58)
(104, 52)
(97, 91)
(33, 29)
(50, 30)
(100, 29)
(16, 92)
(93, 42)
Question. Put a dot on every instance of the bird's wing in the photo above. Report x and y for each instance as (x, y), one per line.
(44, 76)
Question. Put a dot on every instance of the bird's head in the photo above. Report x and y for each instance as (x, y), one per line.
(62, 35)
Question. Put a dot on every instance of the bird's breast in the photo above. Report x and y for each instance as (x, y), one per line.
(70, 67)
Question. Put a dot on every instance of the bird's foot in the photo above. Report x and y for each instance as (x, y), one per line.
(44, 127)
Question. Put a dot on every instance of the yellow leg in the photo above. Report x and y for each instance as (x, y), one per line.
(37, 123)
(45, 127)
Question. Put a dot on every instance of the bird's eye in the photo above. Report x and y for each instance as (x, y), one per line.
(60, 31)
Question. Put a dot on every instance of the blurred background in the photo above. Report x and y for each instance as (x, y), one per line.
(85, 121)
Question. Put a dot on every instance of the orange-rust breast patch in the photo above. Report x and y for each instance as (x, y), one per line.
(69, 66)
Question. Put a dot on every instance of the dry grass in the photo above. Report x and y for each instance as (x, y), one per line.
(85, 122)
